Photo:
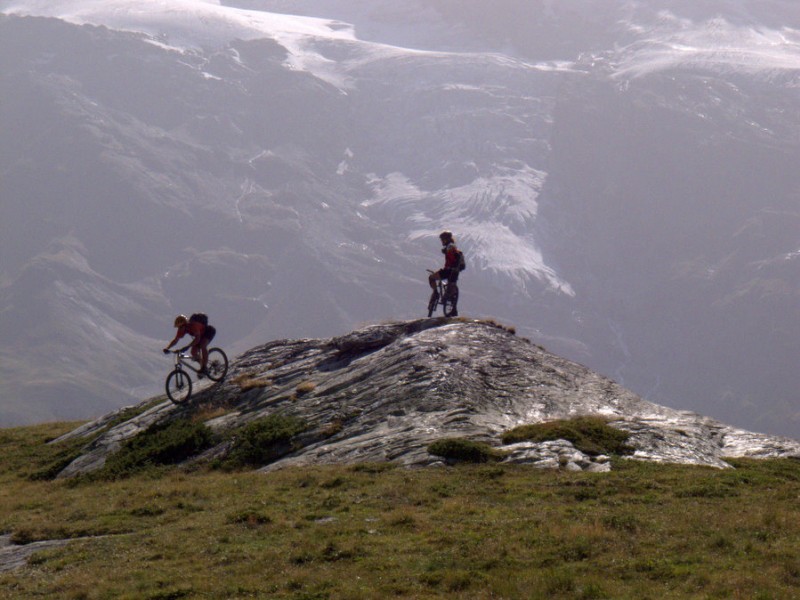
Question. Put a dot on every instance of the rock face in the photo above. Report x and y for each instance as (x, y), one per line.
(385, 392)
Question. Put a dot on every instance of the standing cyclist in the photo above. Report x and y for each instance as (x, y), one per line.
(451, 264)
(202, 333)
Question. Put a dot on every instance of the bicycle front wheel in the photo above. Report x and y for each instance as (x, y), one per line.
(433, 302)
(179, 386)
(450, 301)
(217, 366)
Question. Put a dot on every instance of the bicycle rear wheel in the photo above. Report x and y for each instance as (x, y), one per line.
(433, 302)
(450, 300)
(179, 386)
(217, 365)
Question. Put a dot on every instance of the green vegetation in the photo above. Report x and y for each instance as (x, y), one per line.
(33, 457)
(56, 457)
(475, 531)
(263, 441)
(63, 453)
(463, 450)
(164, 443)
(590, 435)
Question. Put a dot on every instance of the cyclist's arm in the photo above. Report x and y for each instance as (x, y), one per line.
(181, 332)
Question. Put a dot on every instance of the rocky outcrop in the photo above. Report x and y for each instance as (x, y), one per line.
(13, 556)
(385, 392)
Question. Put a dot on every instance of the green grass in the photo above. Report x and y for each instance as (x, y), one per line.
(376, 531)
(591, 435)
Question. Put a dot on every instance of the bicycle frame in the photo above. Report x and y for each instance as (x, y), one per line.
(182, 360)
(217, 366)
(179, 383)
(445, 295)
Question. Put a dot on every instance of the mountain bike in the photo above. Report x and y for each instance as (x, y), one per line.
(179, 384)
(445, 295)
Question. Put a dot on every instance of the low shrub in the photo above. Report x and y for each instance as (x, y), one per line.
(590, 435)
(249, 381)
(261, 442)
(164, 443)
(460, 449)
(305, 387)
(507, 328)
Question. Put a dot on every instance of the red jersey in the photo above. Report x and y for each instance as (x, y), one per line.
(193, 328)
(451, 256)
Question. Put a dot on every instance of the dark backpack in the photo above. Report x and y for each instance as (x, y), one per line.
(199, 318)
(461, 264)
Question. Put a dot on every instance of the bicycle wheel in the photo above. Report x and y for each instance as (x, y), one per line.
(179, 386)
(433, 302)
(217, 366)
(450, 300)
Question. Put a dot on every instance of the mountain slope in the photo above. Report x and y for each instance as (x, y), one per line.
(621, 177)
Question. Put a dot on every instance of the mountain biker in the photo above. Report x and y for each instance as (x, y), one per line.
(202, 333)
(450, 271)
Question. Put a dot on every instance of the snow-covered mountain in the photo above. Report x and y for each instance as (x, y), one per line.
(620, 174)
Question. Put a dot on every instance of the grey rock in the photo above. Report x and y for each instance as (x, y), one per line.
(15, 556)
(107, 438)
(385, 392)
(554, 454)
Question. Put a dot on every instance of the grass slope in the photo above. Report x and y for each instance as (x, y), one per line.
(374, 531)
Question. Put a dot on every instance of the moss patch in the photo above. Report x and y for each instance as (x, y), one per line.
(590, 435)
(460, 449)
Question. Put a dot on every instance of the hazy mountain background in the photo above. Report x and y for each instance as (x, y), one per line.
(622, 176)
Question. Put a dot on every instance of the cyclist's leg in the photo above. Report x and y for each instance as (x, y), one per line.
(451, 276)
(203, 346)
(433, 302)
(195, 350)
(454, 300)
(451, 292)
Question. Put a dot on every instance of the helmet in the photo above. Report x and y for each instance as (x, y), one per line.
(446, 236)
(181, 320)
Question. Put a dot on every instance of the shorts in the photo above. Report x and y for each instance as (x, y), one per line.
(450, 274)
(209, 333)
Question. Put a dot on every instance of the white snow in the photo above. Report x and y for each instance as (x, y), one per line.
(490, 215)
(196, 24)
(183, 25)
(714, 45)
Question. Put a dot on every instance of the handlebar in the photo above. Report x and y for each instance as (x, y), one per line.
(178, 351)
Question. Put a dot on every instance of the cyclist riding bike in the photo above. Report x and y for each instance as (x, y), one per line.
(450, 270)
(202, 333)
